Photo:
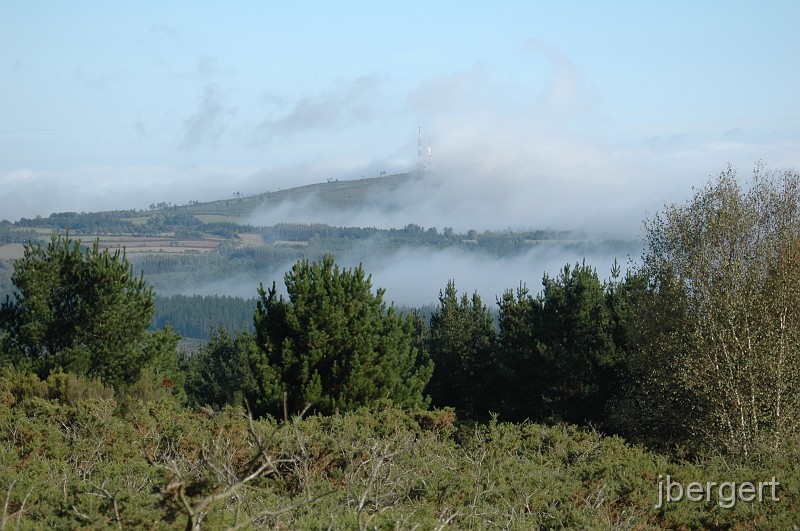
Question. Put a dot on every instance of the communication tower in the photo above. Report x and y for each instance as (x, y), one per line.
(430, 160)
(421, 163)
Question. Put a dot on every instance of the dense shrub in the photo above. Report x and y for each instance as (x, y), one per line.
(81, 464)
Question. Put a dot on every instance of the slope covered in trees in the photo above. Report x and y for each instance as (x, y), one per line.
(197, 316)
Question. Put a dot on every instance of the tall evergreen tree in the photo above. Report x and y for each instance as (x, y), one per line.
(461, 342)
(561, 352)
(522, 372)
(82, 310)
(334, 344)
(576, 342)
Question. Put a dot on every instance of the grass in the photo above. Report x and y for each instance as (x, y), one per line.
(11, 251)
(334, 195)
(216, 218)
(141, 220)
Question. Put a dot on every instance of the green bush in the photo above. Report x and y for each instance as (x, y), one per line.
(84, 464)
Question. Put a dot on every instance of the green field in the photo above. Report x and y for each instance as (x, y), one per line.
(216, 218)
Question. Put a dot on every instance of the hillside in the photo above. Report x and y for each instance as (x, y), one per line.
(197, 227)
(334, 194)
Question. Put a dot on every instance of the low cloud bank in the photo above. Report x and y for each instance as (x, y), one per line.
(414, 276)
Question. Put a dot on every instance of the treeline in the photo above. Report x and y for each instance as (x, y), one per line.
(556, 357)
(9, 233)
(573, 337)
(110, 222)
(499, 243)
(136, 222)
(184, 222)
(696, 349)
(195, 316)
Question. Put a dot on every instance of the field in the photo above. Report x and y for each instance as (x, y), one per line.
(11, 251)
(332, 194)
(251, 240)
(216, 218)
(163, 243)
(166, 243)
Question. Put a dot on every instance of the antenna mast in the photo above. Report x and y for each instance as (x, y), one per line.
(430, 162)
(420, 163)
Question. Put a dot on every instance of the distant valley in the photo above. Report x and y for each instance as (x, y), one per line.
(214, 249)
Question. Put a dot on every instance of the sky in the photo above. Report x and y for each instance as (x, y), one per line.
(558, 115)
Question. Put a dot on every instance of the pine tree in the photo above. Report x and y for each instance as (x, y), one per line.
(84, 311)
(225, 372)
(560, 353)
(461, 344)
(576, 342)
(522, 374)
(334, 345)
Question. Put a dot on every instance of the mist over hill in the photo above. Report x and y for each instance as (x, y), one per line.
(411, 231)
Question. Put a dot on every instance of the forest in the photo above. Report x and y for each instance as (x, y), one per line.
(322, 405)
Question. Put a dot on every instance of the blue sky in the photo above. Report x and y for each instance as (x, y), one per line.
(538, 113)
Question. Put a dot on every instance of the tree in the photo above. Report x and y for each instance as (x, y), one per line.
(561, 351)
(576, 342)
(225, 371)
(84, 311)
(461, 342)
(520, 368)
(334, 344)
(718, 341)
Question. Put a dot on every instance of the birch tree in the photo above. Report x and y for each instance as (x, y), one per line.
(718, 356)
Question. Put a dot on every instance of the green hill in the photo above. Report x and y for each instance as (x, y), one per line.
(333, 194)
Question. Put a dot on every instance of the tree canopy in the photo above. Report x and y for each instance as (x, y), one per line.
(716, 360)
(460, 342)
(560, 352)
(334, 344)
(84, 311)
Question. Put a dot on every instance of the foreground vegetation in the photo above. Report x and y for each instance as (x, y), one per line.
(76, 454)
(693, 358)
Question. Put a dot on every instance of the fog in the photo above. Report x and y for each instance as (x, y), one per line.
(414, 276)
(502, 156)
(537, 115)
(534, 163)
(464, 200)
(534, 147)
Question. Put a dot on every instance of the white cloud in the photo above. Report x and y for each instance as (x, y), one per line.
(209, 121)
(344, 105)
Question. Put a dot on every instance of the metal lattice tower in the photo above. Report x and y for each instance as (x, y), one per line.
(420, 160)
(430, 160)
